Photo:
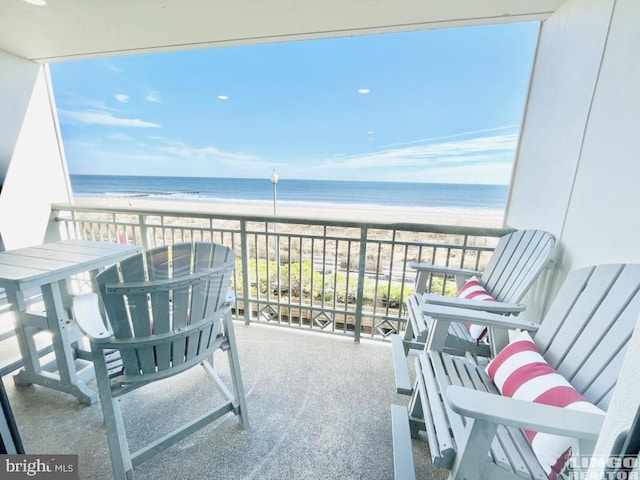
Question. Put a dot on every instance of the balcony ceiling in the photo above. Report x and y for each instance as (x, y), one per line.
(70, 29)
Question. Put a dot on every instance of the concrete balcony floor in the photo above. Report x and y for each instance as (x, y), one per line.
(319, 408)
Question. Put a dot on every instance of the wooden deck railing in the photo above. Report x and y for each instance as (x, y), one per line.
(338, 276)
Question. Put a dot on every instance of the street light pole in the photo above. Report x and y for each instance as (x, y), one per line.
(274, 181)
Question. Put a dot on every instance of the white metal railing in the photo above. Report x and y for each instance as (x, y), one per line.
(338, 276)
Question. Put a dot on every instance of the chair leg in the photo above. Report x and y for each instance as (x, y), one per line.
(415, 408)
(114, 425)
(234, 366)
(408, 333)
(416, 414)
(474, 450)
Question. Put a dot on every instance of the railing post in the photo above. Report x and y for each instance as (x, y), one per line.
(362, 263)
(52, 232)
(246, 289)
(465, 243)
(144, 231)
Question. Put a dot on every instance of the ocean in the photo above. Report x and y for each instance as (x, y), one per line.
(221, 190)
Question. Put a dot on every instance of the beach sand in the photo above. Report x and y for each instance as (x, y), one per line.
(326, 211)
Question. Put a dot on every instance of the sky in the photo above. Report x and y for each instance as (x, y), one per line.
(434, 106)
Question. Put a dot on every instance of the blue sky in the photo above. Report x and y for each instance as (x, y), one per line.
(429, 106)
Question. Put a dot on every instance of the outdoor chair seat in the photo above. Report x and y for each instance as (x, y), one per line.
(516, 263)
(474, 431)
(167, 310)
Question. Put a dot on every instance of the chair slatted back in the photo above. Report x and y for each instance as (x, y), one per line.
(517, 261)
(165, 306)
(586, 331)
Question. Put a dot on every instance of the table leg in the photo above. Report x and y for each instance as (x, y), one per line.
(68, 379)
(24, 335)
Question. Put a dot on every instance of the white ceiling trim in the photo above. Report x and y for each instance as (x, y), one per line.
(74, 29)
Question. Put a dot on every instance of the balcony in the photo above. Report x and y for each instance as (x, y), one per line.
(575, 174)
(318, 402)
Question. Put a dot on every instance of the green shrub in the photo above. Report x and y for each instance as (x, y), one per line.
(299, 284)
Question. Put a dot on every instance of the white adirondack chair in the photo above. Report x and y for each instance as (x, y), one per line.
(475, 432)
(517, 261)
(161, 323)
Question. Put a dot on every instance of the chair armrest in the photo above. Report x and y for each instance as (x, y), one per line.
(230, 297)
(427, 267)
(496, 307)
(454, 314)
(511, 412)
(86, 311)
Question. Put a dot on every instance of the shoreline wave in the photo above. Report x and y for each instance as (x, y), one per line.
(441, 215)
(181, 197)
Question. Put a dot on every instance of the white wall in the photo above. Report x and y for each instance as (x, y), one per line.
(565, 73)
(564, 79)
(36, 175)
(578, 173)
(16, 83)
(602, 220)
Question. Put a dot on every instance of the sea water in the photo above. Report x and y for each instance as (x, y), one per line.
(218, 190)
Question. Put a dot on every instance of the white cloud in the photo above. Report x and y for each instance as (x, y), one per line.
(474, 134)
(473, 150)
(162, 157)
(77, 102)
(152, 97)
(183, 150)
(121, 97)
(120, 136)
(101, 118)
(487, 173)
(82, 144)
(472, 160)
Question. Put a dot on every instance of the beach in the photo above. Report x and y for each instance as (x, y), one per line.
(475, 217)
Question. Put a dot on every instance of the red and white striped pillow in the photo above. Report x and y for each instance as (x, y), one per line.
(473, 290)
(519, 371)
